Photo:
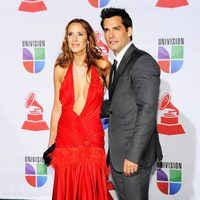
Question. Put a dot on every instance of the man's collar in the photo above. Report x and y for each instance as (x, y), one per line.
(120, 55)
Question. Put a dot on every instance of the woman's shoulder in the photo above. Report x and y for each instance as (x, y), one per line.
(61, 69)
(60, 72)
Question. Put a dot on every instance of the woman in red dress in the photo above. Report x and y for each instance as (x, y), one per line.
(79, 77)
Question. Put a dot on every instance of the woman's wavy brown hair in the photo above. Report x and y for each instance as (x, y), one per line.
(93, 51)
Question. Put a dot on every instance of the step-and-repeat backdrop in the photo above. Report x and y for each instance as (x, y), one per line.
(31, 35)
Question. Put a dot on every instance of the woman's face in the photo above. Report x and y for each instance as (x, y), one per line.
(77, 38)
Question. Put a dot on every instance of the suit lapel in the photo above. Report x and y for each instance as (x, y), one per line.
(122, 66)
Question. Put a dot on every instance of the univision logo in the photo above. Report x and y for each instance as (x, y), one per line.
(32, 6)
(169, 177)
(33, 53)
(99, 3)
(35, 171)
(171, 3)
(170, 54)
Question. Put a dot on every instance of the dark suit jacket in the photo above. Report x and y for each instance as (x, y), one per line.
(133, 111)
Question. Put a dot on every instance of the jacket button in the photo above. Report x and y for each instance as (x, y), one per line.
(110, 112)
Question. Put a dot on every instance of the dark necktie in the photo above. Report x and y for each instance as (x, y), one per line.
(113, 70)
(112, 74)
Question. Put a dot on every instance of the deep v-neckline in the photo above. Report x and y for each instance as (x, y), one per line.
(73, 91)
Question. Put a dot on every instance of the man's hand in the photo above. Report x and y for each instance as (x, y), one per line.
(129, 168)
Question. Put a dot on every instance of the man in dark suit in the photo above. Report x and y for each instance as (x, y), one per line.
(134, 145)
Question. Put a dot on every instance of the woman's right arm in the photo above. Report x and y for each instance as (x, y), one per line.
(105, 68)
(56, 111)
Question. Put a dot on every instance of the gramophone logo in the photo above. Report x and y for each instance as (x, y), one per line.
(171, 3)
(33, 53)
(35, 171)
(32, 6)
(34, 121)
(102, 46)
(170, 54)
(99, 3)
(169, 123)
(169, 177)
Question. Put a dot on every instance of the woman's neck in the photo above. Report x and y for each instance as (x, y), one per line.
(79, 61)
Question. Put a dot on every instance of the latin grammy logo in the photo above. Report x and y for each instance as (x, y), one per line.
(102, 46)
(169, 120)
(34, 120)
(171, 3)
(32, 6)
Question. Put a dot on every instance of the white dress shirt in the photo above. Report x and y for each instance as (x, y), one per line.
(120, 55)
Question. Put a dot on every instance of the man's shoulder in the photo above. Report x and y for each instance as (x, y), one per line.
(143, 55)
(136, 53)
(145, 60)
(134, 49)
(141, 52)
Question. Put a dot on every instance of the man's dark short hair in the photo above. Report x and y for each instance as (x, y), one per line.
(112, 12)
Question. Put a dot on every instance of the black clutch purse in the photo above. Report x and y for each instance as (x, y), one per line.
(105, 109)
(46, 156)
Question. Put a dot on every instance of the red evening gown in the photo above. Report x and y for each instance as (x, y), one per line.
(79, 156)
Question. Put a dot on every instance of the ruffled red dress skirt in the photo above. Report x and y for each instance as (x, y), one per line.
(80, 174)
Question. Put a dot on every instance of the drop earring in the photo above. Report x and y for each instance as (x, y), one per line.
(88, 47)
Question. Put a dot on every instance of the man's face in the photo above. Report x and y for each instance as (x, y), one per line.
(115, 33)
